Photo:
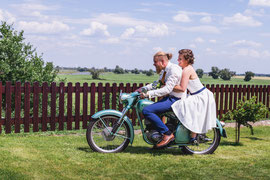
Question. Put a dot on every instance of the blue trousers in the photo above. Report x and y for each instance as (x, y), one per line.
(151, 112)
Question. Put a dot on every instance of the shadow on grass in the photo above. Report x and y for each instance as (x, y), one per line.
(143, 150)
(227, 143)
(254, 138)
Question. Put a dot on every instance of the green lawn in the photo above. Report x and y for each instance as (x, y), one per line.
(68, 156)
(142, 78)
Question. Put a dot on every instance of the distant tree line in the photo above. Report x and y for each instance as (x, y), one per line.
(215, 72)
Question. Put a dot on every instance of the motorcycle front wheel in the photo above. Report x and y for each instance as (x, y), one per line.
(205, 143)
(99, 135)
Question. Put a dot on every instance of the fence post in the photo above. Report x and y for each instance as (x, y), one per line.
(17, 107)
(36, 107)
(69, 106)
(53, 106)
(44, 105)
(61, 106)
(77, 106)
(8, 108)
(0, 107)
(85, 102)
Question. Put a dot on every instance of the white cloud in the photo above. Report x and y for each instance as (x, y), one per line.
(259, 3)
(156, 49)
(252, 12)
(96, 28)
(202, 29)
(128, 33)
(6, 16)
(112, 40)
(239, 19)
(34, 7)
(251, 53)
(181, 17)
(246, 43)
(122, 20)
(159, 30)
(212, 41)
(192, 46)
(199, 40)
(206, 19)
(47, 28)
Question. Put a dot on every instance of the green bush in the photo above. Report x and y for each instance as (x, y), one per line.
(246, 111)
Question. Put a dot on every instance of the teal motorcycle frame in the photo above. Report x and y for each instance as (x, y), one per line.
(111, 131)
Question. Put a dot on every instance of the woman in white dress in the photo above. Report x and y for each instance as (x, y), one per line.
(197, 112)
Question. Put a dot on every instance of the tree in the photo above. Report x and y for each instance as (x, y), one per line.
(214, 73)
(226, 74)
(118, 70)
(246, 111)
(95, 72)
(150, 72)
(19, 61)
(199, 73)
(135, 71)
(248, 75)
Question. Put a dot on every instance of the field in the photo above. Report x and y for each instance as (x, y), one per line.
(141, 78)
(67, 156)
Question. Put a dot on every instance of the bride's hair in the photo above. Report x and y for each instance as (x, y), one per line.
(188, 55)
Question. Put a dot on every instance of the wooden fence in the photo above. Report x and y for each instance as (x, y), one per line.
(51, 107)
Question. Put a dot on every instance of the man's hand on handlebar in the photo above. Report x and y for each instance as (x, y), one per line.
(143, 95)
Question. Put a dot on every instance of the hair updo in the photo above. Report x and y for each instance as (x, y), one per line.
(163, 55)
(188, 55)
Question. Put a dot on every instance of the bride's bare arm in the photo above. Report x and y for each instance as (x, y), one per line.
(184, 81)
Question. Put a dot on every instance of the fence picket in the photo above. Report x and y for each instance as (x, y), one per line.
(17, 107)
(93, 98)
(114, 90)
(44, 105)
(0, 107)
(100, 92)
(85, 102)
(107, 96)
(69, 106)
(8, 108)
(77, 106)
(36, 107)
(61, 106)
(53, 106)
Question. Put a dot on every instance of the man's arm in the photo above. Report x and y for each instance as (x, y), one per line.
(172, 80)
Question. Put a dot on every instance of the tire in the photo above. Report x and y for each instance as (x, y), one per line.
(207, 143)
(99, 138)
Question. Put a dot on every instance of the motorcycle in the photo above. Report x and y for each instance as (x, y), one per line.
(111, 131)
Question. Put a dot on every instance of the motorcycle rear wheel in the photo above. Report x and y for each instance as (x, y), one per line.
(99, 138)
(206, 143)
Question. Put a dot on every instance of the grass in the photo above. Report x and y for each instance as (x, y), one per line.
(68, 156)
(142, 78)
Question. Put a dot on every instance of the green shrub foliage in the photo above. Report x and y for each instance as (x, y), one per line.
(19, 61)
(199, 73)
(248, 75)
(246, 111)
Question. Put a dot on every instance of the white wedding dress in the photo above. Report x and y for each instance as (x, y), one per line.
(196, 112)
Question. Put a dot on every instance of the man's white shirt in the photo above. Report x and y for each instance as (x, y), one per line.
(173, 77)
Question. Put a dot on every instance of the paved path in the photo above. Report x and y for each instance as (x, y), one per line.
(258, 123)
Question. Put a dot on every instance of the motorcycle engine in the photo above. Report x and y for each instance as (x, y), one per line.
(152, 135)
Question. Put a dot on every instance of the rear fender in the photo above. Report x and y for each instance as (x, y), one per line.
(118, 114)
(221, 130)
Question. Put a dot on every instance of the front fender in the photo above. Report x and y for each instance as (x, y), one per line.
(221, 130)
(118, 114)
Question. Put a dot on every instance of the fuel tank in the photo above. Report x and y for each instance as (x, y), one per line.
(143, 103)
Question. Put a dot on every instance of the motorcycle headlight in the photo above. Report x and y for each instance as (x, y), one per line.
(123, 97)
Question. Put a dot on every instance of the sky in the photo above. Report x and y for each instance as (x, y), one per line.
(233, 34)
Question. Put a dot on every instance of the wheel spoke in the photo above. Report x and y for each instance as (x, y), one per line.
(101, 138)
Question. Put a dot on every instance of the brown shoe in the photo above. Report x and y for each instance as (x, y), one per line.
(165, 140)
